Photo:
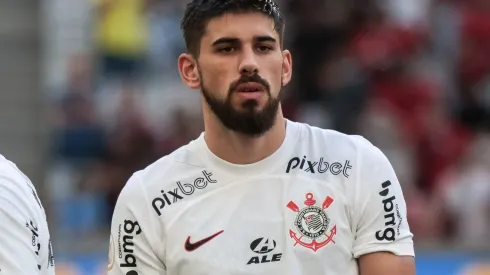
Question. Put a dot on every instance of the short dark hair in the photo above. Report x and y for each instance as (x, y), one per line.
(199, 12)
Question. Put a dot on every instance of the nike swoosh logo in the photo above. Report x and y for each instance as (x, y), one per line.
(189, 247)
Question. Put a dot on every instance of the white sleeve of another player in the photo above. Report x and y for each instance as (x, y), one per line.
(380, 212)
(132, 234)
(17, 232)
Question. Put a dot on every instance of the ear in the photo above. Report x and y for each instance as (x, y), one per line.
(188, 71)
(287, 67)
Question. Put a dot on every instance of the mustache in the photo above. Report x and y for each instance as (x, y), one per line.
(249, 78)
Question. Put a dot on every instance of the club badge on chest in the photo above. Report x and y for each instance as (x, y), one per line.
(312, 225)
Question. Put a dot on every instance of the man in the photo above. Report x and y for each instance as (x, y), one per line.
(256, 193)
(25, 246)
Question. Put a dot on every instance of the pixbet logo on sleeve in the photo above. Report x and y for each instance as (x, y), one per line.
(182, 190)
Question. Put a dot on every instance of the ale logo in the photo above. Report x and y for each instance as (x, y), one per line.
(263, 247)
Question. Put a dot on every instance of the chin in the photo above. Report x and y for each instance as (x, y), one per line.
(250, 109)
(253, 103)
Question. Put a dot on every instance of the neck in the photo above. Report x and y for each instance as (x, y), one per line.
(237, 148)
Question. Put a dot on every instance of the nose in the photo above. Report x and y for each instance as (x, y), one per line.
(248, 64)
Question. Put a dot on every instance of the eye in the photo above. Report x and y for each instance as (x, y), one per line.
(227, 50)
(264, 48)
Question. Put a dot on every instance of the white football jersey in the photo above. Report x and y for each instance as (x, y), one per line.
(319, 202)
(25, 246)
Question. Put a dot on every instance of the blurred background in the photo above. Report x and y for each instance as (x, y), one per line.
(90, 93)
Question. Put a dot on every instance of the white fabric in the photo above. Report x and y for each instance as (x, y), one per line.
(25, 246)
(262, 210)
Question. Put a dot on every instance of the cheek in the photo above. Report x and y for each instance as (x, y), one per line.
(274, 71)
(216, 80)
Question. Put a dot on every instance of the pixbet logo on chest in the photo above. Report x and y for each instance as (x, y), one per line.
(169, 197)
(320, 166)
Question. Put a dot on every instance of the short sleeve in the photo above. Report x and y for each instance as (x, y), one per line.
(380, 212)
(19, 236)
(133, 233)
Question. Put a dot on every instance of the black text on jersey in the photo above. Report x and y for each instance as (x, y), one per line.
(389, 207)
(169, 197)
(264, 247)
(35, 242)
(320, 166)
(127, 250)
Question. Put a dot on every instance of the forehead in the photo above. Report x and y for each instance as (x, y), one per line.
(243, 26)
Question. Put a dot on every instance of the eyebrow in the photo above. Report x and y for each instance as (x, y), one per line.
(232, 40)
(225, 40)
(265, 38)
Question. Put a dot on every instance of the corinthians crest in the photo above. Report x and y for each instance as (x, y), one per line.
(312, 224)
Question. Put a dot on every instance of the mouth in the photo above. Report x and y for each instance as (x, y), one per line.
(250, 87)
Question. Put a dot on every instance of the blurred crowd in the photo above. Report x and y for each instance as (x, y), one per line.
(412, 76)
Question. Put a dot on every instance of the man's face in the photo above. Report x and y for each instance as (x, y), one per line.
(241, 70)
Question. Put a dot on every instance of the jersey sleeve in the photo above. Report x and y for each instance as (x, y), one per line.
(19, 236)
(132, 234)
(380, 212)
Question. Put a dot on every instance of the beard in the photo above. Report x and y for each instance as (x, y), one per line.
(251, 120)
